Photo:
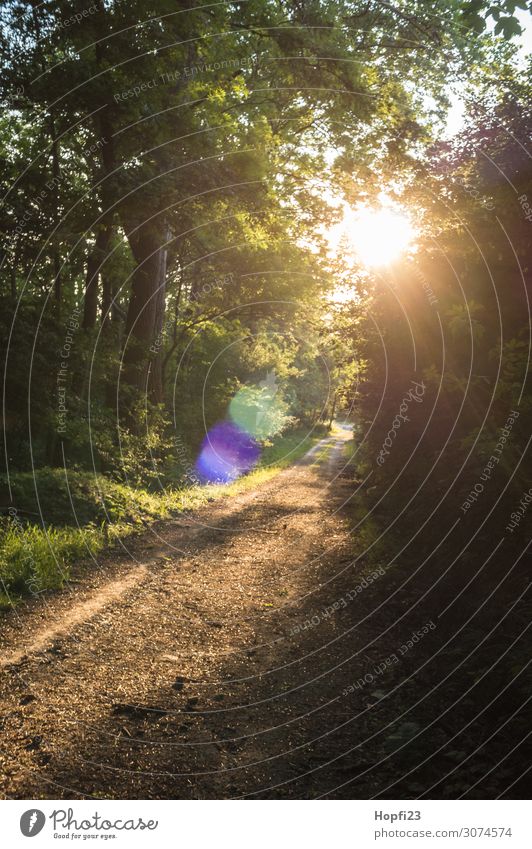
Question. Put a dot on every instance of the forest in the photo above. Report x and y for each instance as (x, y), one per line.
(265, 269)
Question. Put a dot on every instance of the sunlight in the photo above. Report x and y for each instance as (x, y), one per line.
(375, 236)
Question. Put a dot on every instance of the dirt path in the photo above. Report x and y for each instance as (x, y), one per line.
(217, 661)
(172, 676)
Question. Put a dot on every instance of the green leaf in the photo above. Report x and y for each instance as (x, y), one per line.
(476, 23)
(509, 27)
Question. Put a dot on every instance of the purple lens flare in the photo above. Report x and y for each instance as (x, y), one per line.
(226, 453)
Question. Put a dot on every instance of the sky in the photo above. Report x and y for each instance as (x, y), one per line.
(524, 42)
(525, 19)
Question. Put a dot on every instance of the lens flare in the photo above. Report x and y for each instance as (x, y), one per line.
(226, 453)
(259, 410)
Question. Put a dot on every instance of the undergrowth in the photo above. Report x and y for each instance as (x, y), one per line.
(59, 519)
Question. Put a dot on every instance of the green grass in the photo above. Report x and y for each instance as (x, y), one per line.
(33, 560)
(86, 513)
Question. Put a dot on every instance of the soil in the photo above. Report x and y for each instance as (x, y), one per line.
(232, 653)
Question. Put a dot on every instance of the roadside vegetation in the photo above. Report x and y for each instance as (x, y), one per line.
(85, 513)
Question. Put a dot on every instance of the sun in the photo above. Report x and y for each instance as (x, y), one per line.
(379, 236)
(376, 235)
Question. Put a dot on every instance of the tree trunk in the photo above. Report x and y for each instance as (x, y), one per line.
(333, 412)
(156, 388)
(56, 174)
(145, 315)
(95, 261)
(57, 278)
(90, 303)
(107, 301)
(13, 273)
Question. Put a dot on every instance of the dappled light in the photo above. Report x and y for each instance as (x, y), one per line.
(265, 515)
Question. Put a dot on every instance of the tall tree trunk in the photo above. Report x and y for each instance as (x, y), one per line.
(56, 173)
(56, 170)
(57, 278)
(333, 411)
(95, 261)
(145, 315)
(90, 303)
(13, 272)
(107, 300)
(156, 388)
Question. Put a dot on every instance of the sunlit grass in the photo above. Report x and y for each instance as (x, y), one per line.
(34, 559)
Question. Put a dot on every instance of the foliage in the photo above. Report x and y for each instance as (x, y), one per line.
(468, 344)
(166, 180)
(80, 513)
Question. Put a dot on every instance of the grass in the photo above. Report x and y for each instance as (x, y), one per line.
(85, 513)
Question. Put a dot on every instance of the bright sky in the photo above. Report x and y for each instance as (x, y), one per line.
(524, 43)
